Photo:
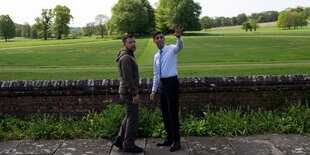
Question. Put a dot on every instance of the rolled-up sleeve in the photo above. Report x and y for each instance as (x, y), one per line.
(179, 46)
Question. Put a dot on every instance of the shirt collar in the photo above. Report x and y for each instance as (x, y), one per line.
(164, 48)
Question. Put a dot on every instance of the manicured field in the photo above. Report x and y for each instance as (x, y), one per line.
(221, 46)
(21, 42)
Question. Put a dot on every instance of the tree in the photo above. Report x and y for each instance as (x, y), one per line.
(26, 29)
(281, 16)
(254, 23)
(160, 16)
(297, 9)
(34, 31)
(111, 26)
(133, 16)
(90, 29)
(151, 16)
(241, 18)
(307, 12)
(289, 19)
(44, 23)
(206, 22)
(101, 21)
(234, 21)
(257, 16)
(246, 25)
(18, 30)
(226, 21)
(7, 27)
(218, 21)
(301, 19)
(185, 12)
(269, 16)
(62, 20)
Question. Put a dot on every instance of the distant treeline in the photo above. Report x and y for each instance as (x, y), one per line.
(139, 17)
(296, 17)
(266, 16)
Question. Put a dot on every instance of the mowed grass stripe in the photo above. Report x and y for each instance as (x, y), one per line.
(147, 56)
(112, 73)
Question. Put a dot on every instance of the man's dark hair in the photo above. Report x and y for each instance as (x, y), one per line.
(126, 37)
(156, 33)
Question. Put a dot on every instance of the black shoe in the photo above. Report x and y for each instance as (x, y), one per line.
(135, 149)
(166, 142)
(175, 146)
(118, 143)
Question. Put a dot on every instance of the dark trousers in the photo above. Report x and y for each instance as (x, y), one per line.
(169, 100)
(129, 127)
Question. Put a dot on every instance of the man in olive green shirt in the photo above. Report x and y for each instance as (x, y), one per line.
(128, 90)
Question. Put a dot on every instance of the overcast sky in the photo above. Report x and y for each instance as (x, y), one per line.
(84, 11)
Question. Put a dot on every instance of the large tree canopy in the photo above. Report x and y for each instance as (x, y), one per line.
(132, 16)
(292, 18)
(44, 23)
(62, 20)
(241, 18)
(171, 12)
(101, 20)
(7, 27)
(206, 22)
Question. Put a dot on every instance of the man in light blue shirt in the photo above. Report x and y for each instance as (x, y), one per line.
(165, 76)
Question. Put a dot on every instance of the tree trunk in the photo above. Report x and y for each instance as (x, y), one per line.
(45, 36)
(59, 35)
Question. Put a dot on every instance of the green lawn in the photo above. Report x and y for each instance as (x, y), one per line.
(221, 46)
(21, 42)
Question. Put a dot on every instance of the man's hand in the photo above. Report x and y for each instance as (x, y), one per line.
(152, 96)
(178, 31)
(135, 99)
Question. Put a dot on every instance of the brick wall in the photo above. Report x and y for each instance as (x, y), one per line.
(77, 97)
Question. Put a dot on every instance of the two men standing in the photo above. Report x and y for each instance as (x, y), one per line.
(165, 76)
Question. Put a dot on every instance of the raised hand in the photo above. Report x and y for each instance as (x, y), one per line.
(178, 30)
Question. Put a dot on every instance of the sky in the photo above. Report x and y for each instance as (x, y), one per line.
(85, 11)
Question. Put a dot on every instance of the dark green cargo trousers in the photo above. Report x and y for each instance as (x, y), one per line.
(129, 126)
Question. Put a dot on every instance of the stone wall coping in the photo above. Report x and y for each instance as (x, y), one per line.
(187, 84)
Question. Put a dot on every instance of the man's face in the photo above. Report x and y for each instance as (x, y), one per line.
(159, 40)
(130, 44)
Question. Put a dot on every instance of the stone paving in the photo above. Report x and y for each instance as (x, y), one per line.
(267, 144)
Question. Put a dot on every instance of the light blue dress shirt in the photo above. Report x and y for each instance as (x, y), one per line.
(168, 62)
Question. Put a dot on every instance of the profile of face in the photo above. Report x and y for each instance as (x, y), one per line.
(130, 44)
(159, 40)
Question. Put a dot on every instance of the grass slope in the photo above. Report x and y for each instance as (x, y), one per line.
(218, 46)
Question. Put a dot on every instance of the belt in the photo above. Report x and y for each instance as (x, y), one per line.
(168, 78)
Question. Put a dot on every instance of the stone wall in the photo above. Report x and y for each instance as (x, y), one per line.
(77, 97)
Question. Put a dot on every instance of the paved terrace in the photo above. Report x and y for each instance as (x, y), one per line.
(257, 144)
